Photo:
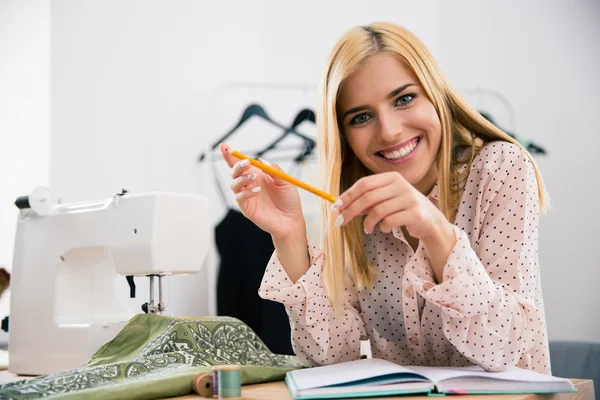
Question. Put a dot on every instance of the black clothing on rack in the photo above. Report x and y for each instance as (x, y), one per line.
(245, 250)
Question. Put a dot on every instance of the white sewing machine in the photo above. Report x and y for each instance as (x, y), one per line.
(69, 257)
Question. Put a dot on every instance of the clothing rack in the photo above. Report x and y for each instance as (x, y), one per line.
(302, 90)
(252, 90)
(481, 92)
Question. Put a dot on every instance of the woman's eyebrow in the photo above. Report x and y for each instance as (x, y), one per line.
(354, 110)
(401, 89)
(393, 93)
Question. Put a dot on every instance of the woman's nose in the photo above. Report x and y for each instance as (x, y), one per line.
(390, 127)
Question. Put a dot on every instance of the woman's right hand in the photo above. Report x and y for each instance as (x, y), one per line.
(271, 203)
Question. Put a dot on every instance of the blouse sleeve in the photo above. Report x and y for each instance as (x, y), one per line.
(487, 296)
(320, 336)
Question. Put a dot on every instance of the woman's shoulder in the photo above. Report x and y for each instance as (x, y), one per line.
(497, 154)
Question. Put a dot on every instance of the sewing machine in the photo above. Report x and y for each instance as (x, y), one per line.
(69, 258)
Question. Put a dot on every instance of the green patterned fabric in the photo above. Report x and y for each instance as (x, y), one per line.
(155, 357)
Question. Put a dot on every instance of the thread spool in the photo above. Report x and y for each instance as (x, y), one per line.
(203, 385)
(40, 201)
(22, 202)
(215, 380)
(229, 382)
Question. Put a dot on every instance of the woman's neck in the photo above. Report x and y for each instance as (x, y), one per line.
(425, 185)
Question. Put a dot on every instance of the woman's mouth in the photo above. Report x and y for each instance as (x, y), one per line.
(400, 153)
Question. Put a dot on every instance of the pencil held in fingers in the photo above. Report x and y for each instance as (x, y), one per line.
(264, 166)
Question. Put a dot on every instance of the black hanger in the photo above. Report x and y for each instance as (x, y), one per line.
(309, 144)
(530, 146)
(251, 110)
(533, 148)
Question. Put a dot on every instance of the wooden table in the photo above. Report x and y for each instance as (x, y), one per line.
(279, 391)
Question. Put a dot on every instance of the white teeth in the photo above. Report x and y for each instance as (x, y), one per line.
(403, 152)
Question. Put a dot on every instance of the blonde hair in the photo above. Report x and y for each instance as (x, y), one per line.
(462, 129)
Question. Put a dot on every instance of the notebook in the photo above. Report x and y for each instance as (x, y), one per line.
(374, 377)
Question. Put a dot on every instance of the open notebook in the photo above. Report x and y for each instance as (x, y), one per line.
(375, 377)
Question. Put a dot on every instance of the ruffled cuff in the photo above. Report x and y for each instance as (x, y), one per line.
(467, 288)
(306, 300)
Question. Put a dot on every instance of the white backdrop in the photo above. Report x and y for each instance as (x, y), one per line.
(544, 57)
(24, 114)
(137, 91)
(134, 92)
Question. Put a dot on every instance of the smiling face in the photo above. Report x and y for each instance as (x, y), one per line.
(389, 122)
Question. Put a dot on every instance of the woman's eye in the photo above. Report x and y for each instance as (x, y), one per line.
(360, 119)
(405, 99)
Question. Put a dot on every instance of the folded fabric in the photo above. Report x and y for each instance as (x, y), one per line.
(155, 357)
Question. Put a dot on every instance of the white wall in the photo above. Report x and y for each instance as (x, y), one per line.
(544, 57)
(134, 102)
(136, 95)
(24, 113)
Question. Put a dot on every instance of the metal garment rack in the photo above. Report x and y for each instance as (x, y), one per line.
(302, 89)
(480, 93)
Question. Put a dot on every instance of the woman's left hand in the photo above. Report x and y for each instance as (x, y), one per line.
(390, 201)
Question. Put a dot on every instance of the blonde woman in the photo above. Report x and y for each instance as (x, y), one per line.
(431, 250)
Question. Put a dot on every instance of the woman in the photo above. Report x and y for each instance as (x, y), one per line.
(431, 249)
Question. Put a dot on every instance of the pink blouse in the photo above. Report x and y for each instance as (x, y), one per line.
(488, 310)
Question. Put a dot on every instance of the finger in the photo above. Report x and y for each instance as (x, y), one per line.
(240, 168)
(395, 220)
(382, 211)
(367, 201)
(245, 195)
(243, 182)
(226, 153)
(276, 179)
(362, 186)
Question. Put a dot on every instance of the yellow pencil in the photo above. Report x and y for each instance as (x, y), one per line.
(275, 172)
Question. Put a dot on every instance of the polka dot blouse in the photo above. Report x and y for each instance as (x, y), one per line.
(488, 310)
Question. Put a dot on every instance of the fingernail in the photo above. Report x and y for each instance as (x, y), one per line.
(339, 220)
(244, 163)
(366, 231)
(251, 177)
(265, 162)
(338, 203)
(256, 189)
